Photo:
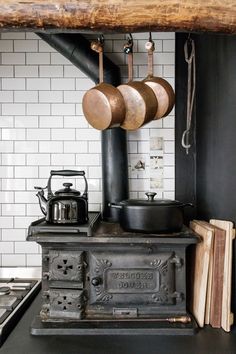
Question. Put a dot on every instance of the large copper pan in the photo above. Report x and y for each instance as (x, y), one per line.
(103, 105)
(162, 89)
(140, 101)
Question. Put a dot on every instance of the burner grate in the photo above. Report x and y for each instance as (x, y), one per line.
(5, 290)
(15, 296)
(8, 302)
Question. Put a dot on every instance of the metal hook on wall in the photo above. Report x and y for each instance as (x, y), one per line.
(130, 38)
(101, 39)
(128, 47)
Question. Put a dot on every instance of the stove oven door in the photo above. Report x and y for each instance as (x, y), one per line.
(123, 284)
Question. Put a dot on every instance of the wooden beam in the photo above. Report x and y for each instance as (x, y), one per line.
(119, 15)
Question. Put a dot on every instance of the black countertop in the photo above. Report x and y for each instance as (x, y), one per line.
(206, 341)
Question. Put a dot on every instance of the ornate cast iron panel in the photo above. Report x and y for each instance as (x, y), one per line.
(66, 266)
(66, 304)
(134, 279)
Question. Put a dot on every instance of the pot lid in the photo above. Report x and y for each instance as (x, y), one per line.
(151, 201)
(67, 190)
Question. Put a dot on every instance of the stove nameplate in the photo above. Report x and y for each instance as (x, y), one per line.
(132, 280)
(140, 279)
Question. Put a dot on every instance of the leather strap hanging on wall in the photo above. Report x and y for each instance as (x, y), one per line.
(191, 88)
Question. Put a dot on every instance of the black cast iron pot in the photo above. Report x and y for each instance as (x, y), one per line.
(151, 215)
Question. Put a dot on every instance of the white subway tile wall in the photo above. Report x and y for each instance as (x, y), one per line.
(42, 127)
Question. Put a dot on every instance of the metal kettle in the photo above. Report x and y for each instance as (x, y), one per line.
(65, 206)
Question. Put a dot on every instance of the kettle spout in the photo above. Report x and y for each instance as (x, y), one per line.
(42, 200)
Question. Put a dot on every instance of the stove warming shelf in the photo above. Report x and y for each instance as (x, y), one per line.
(42, 227)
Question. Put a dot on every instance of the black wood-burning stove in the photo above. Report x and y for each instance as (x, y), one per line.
(98, 279)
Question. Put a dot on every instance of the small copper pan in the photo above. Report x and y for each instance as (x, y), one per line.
(103, 105)
(162, 89)
(140, 101)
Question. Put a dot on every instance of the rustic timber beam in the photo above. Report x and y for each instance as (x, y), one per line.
(119, 15)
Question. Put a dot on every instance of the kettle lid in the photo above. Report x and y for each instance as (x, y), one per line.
(67, 189)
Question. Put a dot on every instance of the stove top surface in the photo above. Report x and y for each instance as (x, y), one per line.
(107, 229)
(97, 229)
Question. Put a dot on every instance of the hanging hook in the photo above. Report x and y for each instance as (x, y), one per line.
(101, 39)
(97, 45)
(184, 141)
(128, 47)
(189, 57)
(151, 41)
(150, 45)
(150, 37)
(130, 39)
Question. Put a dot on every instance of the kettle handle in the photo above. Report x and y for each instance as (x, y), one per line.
(67, 173)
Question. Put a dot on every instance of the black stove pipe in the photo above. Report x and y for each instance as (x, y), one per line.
(77, 50)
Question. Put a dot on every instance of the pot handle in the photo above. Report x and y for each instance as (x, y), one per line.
(188, 205)
(67, 173)
(113, 205)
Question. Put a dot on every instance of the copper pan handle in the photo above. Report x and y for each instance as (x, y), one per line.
(101, 74)
(97, 46)
(128, 49)
(130, 66)
(150, 47)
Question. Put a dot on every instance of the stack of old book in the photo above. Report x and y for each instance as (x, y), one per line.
(212, 273)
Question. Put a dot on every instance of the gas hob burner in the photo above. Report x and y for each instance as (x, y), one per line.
(18, 287)
(5, 290)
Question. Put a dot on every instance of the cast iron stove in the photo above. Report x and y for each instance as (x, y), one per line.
(109, 281)
(18, 287)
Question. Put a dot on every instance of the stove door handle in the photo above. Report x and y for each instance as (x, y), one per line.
(96, 281)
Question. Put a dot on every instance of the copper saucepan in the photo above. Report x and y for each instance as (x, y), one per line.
(103, 105)
(140, 101)
(162, 89)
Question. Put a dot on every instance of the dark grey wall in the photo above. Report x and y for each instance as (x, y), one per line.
(207, 175)
(185, 166)
(210, 181)
(216, 126)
